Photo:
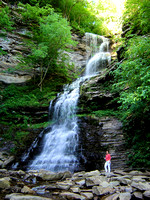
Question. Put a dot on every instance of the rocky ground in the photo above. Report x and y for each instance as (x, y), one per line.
(96, 185)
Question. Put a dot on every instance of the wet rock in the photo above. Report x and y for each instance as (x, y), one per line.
(81, 185)
(5, 183)
(43, 189)
(114, 183)
(141, 186)
(100, 190)
(112, 197)
(81, 182)
(8, 161)
(138, 195)
(70, 196)
(75, 189)
(92, 173)
(63, 186)
(50, 176)
(125, 196)
(17, 196)
(1, 163)
(11, 78)
(5, 159)
(147, 194)
(94, 180)
(123, 180)
(138, 179)
(27, 190)
(135, 173)
(88, 195)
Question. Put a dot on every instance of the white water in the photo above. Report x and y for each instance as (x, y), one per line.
(61, 143)
(101, 57)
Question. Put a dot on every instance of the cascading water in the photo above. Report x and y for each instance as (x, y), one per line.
(61, 143)
(101, 57)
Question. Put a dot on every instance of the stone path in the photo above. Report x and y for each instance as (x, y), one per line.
(96, 185)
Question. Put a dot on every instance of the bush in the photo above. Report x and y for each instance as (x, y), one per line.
(133, 80)
(5, 20)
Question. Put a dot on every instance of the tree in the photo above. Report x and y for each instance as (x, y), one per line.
(137, 14)
(133, 82)
(52, 34)
(5, 20)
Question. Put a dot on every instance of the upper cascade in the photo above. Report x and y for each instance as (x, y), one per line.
(98, 55)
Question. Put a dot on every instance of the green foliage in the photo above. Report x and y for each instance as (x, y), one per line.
(133, 74)
(28, 96)
(102, 113)
(2, 52)
(81, 14)
(20, 135)
(5, 20)
(137, 14)
(33, 14)
(52, 35)
(133, 81)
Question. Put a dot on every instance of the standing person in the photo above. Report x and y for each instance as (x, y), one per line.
(108, 162)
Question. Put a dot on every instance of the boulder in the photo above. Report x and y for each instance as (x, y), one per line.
(1, 163)
(141, 186)
(95, 180)
(138, 179)
(138, 195)
(82, 185)
(14, 78)
(112, 197)
(8, 161)
(5, 183)
(88, 195)
(70, 196)
(75, 189)
(18, 196)
(27, 190)
(99, 190)
(125, 196)
(80, 182)
(147, 194)
(92, 173)
(63, 186)
(50, 176)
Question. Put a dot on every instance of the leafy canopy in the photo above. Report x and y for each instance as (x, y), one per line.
(137, 14)
(133, 82)
(133, 73)
(51, 34)
(5, 21)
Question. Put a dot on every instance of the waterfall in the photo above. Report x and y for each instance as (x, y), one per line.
(60, 144)
(101, 58)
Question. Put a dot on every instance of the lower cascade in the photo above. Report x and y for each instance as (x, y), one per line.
(59, 150)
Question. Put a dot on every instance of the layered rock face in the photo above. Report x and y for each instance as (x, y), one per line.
(96, 185)
(78, 55)
(100, 134)
(97, 136)
(13, 46)
(94, 95)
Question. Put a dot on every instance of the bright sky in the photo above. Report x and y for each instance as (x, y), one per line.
(119, 4)
(114, 26)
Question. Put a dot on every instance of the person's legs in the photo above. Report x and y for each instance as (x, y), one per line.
(109, 163)
(106, 164)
